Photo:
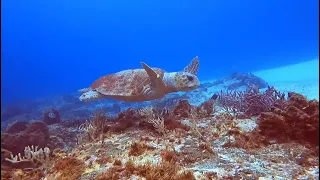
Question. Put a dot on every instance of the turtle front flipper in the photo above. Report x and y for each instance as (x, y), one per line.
(158, 86)
(193, 66)
(90, 95)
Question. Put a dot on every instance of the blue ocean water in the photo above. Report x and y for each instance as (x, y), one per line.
(54, 47)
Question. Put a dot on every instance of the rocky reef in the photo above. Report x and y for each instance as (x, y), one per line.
(233, 133)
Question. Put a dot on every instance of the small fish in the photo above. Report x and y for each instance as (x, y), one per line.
(214, 96)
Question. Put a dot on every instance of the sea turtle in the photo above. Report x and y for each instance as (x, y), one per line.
(145, 84)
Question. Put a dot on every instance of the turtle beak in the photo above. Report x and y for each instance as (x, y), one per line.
(81, 98)
(197, 83)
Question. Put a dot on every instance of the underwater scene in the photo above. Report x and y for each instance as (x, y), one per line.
(159, 90)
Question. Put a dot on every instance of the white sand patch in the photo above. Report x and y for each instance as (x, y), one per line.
(306, 71)
(301, 78)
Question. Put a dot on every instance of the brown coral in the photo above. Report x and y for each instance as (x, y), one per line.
(205, 109)
(17, 127)
(297, 121)
(182, 109)
(69, 168)
(163, 171)
(168, 156)
(124, 120)
(138, 148)
(37, 133)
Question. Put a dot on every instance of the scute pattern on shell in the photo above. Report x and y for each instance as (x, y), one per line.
(125, 83)
(180, 79)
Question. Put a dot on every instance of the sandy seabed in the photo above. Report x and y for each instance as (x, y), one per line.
(302, 78)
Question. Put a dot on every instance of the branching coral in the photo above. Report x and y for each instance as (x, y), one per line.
(36, 133)
(250, 102)
(95, 127)
(151, 116)
(284, 120)
(160, 120)
(32, 157)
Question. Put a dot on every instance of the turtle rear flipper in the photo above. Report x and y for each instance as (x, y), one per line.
(158, 86)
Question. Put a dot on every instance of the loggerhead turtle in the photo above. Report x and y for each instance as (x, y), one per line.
(142, 84)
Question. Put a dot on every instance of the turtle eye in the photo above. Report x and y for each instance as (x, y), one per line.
(190, 78)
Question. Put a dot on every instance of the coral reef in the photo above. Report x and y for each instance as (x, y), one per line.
(238, 134)
(68, 168)
(251, 102)
(37, 134)
(51, 116)
(238, 80)
(17, 127)
(297, 120)
(33, 157)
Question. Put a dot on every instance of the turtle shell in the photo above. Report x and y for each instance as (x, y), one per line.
(125, 83)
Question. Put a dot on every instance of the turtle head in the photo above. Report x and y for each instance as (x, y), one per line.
(89, 95)
(181, 81)
(185, 81)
